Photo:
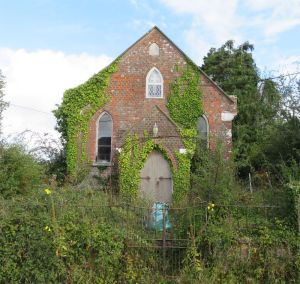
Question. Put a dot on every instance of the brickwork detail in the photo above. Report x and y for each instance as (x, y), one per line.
(132, 111)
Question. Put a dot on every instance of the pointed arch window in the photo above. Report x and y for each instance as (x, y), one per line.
(203, 129)
(154, 84)
(104, 138)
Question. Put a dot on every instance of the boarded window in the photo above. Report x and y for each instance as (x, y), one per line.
(154, 49)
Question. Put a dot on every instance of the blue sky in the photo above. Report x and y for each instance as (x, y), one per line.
(47, 46)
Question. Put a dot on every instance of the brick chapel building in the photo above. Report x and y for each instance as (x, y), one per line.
(138, 93)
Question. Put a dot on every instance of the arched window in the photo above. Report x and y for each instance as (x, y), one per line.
(153, 49)
(104, 135)
(154, 84)
(203, 128)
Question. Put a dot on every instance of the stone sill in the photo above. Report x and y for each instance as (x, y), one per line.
(104, 164)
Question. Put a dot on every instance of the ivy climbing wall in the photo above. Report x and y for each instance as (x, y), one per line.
(120, 90)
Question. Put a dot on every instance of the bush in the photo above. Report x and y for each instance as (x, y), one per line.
(212, 176)
(53, 239)
(19, 171)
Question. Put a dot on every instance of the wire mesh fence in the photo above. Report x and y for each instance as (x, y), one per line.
(162, 234)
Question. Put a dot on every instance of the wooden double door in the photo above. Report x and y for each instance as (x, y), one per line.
(156, 179)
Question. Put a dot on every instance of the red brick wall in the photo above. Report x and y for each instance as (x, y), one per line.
(128, 104)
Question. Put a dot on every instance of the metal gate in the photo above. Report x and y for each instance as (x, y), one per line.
(162, 232)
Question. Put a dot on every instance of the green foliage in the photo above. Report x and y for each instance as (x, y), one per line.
(263, 254)
(283, 146)
(185, 98)
(27, 251)
(75, 112)
(20, 172)
(3, 104)
(238, 237)
(185, 107)
(193, 267)
(293, 188)
(234, 69)
(212, 177)
(49, 238)
(70, 236)
(132, 159)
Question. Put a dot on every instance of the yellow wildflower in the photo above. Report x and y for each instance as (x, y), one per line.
(47, 228)
(47, 191)
(210, 206)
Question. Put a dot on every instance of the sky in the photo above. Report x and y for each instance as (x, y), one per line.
(48, 46)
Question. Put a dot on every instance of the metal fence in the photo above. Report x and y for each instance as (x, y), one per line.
(162, 234)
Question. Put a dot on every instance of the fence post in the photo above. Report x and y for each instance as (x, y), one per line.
(298, 205)
(164, 239)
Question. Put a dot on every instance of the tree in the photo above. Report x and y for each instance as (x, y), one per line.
(282, 147)
(234, 69)
(3, 104)
(289, 87)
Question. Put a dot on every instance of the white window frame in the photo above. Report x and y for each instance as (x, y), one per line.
(161, 84)
(207, 124)
(103, 163)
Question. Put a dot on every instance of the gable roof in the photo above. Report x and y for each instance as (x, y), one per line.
(183, 54)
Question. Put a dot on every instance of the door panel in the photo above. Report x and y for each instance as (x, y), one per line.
(156, 179)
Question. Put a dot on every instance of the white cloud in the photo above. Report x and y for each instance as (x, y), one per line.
(288, 65)
(202, 44)
(275, 16)
(37, 80)
(216, 21)
(210, 15)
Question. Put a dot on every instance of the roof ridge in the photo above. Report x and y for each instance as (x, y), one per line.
(184, 54)
(188, 58)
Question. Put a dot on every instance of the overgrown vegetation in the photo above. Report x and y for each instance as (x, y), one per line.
(234, 69)
(51, 237)
(132, 160)
(185, 107)
(239, 228)
(185, 97)
(20, 172)
(253, 241)
(3, 103)
(75, 112)
(83, 236)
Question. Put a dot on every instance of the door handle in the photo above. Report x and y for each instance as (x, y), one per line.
(164, 178)
(147, 178)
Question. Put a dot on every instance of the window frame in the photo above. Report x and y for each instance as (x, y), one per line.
(103, 162)
(156, 84)
(207, 128)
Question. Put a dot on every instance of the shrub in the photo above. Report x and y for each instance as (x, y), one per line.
(48, 237)
(19, 171)
(212, 176)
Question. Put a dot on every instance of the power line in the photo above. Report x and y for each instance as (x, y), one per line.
(277, 77)
(259, 80)
(30, 108)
